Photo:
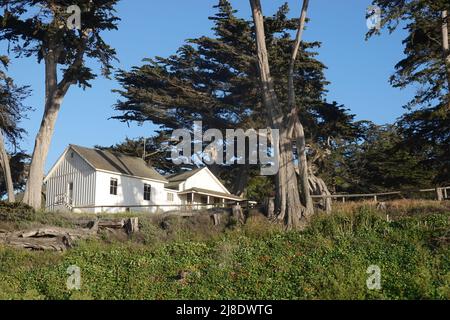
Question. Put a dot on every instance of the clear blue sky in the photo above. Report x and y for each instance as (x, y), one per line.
(358, 70)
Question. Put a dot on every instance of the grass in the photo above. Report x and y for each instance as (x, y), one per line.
(328, 260)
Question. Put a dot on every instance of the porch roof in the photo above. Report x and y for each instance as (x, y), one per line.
(212, 194)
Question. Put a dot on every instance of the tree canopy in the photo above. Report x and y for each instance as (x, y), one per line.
(215, 80)
(426, 65)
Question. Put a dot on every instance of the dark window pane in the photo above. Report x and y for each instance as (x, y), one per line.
(113, 187)
(147, 192)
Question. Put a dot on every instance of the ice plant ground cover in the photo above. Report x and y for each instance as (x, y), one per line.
(174, 258)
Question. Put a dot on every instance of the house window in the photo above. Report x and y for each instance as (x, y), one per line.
(204, 199)
(170, 197)
(113, 186)
(147, 192)
(70, 194)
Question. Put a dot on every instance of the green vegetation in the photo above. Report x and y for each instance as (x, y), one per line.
(260, 260)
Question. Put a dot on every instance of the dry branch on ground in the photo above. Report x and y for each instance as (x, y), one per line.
(61, 239)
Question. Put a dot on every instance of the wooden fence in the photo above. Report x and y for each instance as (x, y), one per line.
(187, 209)
(440, 195)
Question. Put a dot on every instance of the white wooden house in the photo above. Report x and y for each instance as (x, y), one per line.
(96, 181)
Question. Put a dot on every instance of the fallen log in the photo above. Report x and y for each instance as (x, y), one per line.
(112, 224)
(40, 244)
(61, 239)
(58, 232)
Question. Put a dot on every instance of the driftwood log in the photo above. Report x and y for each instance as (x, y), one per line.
(61, 239)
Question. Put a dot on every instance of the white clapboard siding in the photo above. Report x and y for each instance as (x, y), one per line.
(130, 192)
(71, 168)
(203, 179)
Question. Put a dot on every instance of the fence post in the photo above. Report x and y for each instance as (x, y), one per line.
(439, 195)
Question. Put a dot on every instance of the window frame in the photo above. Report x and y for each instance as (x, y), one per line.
(70, 192)
(147, 192)
(113, 186)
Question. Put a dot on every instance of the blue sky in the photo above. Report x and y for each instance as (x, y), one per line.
(358, 70)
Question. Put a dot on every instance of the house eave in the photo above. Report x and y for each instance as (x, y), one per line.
(131, 176)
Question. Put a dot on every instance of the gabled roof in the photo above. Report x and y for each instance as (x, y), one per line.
(117, 163)
(184, 175)
(176, 179)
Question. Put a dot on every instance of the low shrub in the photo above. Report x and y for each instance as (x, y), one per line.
(190, 258)
(16, 211)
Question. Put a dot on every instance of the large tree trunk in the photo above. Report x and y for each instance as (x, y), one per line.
(53, 100)
(6, 170)
(33, 192)
(303, 166)
(289, 206)
(241, 180)
(318, 187)
(446, 50)
(296, 127)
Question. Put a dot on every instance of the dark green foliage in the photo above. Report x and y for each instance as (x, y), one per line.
(39, 33)
(426, 125)
(12, 109)
(258, 261)
(15, 212)
(12, 112)
(259, 189)
(19, 169)
(380, 162)
(424, 62)
(427, 132)
(215, 79)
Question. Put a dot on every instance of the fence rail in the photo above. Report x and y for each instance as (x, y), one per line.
(441, 194)
(183, 207)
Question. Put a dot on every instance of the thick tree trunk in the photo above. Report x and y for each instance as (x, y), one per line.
(446, 50)
(241, 180)
(270, 208)
(303, 171)
(297, 128)
(54, 97)
(289, 206)
(33, 193)
(6, 170)
(318, 187)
